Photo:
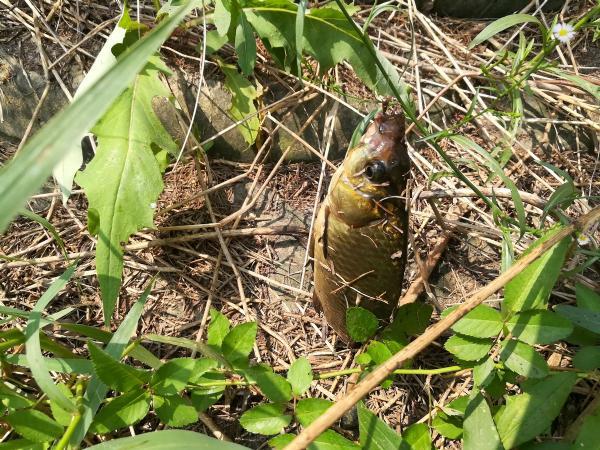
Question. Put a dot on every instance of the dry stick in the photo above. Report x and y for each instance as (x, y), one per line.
(310, 433)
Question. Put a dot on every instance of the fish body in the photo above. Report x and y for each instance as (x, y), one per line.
(361, 231)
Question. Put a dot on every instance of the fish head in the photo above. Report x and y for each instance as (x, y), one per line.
(372, 179)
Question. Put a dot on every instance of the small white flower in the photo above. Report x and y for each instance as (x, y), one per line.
(564, 32)
(583, 239)
(153, 205)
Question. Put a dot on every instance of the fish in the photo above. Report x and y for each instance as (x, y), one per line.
(360, 235)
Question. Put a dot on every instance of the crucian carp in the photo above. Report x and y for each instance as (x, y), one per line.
(360, 234)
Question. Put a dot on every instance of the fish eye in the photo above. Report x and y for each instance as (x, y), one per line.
(375, 171)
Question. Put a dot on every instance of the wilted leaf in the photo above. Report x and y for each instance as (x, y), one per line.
(265, 419)
(468, 348)
(361, 323)
(300, 376)
(539, 327)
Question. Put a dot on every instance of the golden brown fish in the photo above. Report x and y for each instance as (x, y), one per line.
(360, 234)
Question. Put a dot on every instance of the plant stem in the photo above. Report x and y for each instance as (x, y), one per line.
(64, 440)
(438, 371)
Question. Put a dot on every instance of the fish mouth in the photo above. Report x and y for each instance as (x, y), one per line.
(385, 140)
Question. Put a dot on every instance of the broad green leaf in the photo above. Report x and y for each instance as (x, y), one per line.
(479, 430)
(81, 366)
(174, 411)
(588, 358)
(375, 434)
(265, 419)
(217, 329)
(168, 439)
(24, 174)
(588, 438)
(309, 409)
(417, 437)
(245, 45)
(210, 382)
(361, 323)
(531, 413)
(62, 416)
(10, 399)
(299, 32)
(122, 412)
(96, 390)
(238, 343)
(497, 170)
(587, 298)
(115, 374)
(222, 16)
(497, 26)
(21, 444)
(34, 425)
(281, 441)
(173, 376)
(124, 178)
(243, 94)
(412, 319)
(300, 376)
(330, 440)
(203, 399)
(448, 426)
(275, 387)
(483, 373)
(206, 350)
(214, 42)
(531, 288)
(328, 37)
(202, 366)
(468, 348)
(539, 327)
(590, 320)
(523, 359)
(36, 361)
(481, 322)
(378, 352)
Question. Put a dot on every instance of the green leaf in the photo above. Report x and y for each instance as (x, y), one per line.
(34, 425)
(275, 387)
(122, 412)
(173, 376)
(523, 359)
(21, 444)
(588, 358)
(300, 376)
(299, 31)
(48, 226)
(115, 374)
(412, 319)
(61, 415)
(468, 348)
(281, 441)
(161, 440)
(497, 26)
(217, 329)
(11, 400)
(96, 390)
(587, 438)
(417, 437)
(124, 178)
(81, 366)
(539, 327)
(174, 411)
(238, 343)
(214, 42)
(583, 318)
(361, 323)
(330, 440)
(24, 174)
(448, 426)
(531, 288)
(309, 409)
(479, 430)
(36, 361)
(243, 94)
(375, 434)
(584, 84)
(245, 45)
(481, 322)
(378, 352)
(203, 400)
(222, 16)
(328, 37)
(531, 413)
(202, 366)
(265, 419)
(587, 298)
(484, 373)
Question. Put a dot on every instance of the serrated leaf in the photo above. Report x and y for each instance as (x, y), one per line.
(374, 433)
(243, 94)
(238, 343)
(411, 319)
(481, 322)
(34, 425)
(417, 437)
(497, 26)
(483, 373)
(124, 178)
(588, 358)
(122, 412)
(328, 37)
(202, 366)
(539, 327)
(479, 430)
(115, 374)
(265, 419)
(245, 45)
(309, 409)
(161, 440)
(300, 376)
(468, 348)
(281, 441)
(590, 320)
(275, 387)
(531, 413)
(217, 329)
(174, 410)
(173, 376)
(531, 288)
(523, 359)
(361, 323)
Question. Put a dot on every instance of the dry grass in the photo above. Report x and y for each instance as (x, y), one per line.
(197, 274)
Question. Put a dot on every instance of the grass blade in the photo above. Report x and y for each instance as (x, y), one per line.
(500, 25)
